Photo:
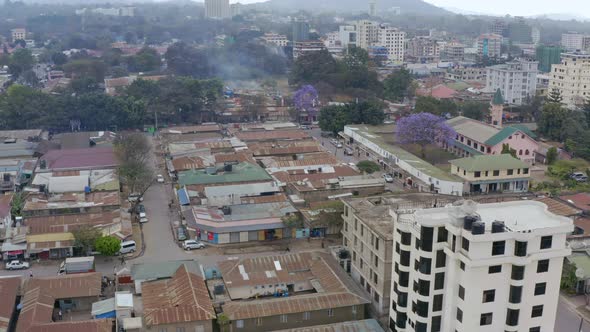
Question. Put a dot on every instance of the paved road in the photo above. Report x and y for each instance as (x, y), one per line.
(568, 320)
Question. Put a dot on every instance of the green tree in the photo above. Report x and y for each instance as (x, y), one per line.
(312, 67)
(368, 112)
(223, 322)
(21, 61)
(59, 58)
(107, 245)
(475, 110)
(507, 150)
(568, 277)
(134, 152)
(368, 166)
(147, 59)
(555, 96)
(397, 84)
(185, 60)
(17, 203)
(550, 124)
(85, 237)
(551, 155)
(86, 68)
(84, 85)
(334, 118)
(440, 107)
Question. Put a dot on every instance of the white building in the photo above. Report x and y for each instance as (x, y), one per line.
(517, 80)
(489, 45)
(485, 268)
(393, 40)
(275, 39)
(572, 78)
(218, 9)
(348, 35)
(572, 41)
(18, 34)
(372, 8)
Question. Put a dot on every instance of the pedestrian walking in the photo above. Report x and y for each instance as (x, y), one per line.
(31, 274)
(60, 315)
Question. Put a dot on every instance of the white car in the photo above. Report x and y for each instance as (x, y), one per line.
(17, 265)
(388, 178)
(160, 178)
(192, 244)
(143, 220)
(339, 145)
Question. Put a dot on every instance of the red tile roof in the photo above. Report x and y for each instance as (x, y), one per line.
(183, 298)
(80, 158)
(580, 200)
(95, 325)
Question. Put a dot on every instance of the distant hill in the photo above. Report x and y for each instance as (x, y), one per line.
(350, 6)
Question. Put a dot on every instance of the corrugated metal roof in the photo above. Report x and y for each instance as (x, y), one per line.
(367, 325)
(161, 270)
(242, 172)
(9, 288)
(50, 237)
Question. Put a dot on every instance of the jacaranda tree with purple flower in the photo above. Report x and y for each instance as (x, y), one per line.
(306, 101)
(423, 129)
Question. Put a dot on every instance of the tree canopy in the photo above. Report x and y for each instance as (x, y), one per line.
(107, 245)
(334, 118)
(397, 84)
(423, 129)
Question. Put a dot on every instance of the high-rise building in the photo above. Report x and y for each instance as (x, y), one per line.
(536, 35)
(517, 80)
(485, 267)
(217, 9)
(393, 40)
(571, 78)
(18, 34)
(498, 27)
(300, 30)
(367, 33)
(348, 35)
(423, 49)
(235, 9)
(372, 8)
(489, 45)
(547, 56)
(572, 41)
(519, 31)
(453, 51)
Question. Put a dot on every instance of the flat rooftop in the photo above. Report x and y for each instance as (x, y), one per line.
(378, 135)
(518, 216)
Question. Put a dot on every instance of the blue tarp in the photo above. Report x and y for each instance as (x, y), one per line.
(110, 314)
(183, 197)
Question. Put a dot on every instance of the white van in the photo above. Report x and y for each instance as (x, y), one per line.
(127, 247)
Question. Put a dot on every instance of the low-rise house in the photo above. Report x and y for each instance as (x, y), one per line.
(492, 173)
(367, 325)
(78, 159)
(45, 296)
(15, 173)
(320, 190)
(77, 181)
(244, 172)
(180, 303)
(272, 135)
(240, 223)
(85, 139)
(9, 289)
(290, 291)
(144, 272)
(477, 138)
(220, 196)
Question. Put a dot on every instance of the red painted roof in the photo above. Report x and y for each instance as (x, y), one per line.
(580, 200)
(80, 158)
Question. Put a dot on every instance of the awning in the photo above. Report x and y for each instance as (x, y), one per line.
(183, 197)
(15, 252)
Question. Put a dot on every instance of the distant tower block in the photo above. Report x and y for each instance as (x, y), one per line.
(372, 7)
(497, 108)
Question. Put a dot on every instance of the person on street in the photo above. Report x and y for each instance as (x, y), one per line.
(31, 274)
(60, 315)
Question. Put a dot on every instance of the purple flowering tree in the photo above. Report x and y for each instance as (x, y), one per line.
(306, 101)
(423, 129)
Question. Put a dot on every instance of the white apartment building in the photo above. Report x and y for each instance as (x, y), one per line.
(517, 80)
(367, 33)
(572, 41)
(489, 45)
(572, 78)
(18, 34)
(275, 39)
(348, 35)
(485, 268)
(393, 40)
(218, 9)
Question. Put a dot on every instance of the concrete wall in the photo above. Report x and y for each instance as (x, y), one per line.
(299, 319)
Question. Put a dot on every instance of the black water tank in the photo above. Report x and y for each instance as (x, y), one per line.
(468, 222)
(479, 227)
(498, 227)
(228, 167)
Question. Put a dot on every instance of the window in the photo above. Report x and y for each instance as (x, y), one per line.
(258, 321)
(485, 319)
(535, 329)
(330, 312)
(459, 315)
(435, 324)
(402, 299)
(489, 296)
(540, 288)
(377, 244)
(462, 266)
(512, 317)
(404, 278)
(517, 272)
(376, 261)
(510, 172)
(440, 258)
(406, 238)
(546, 242)
(284, 318)
(461, 292)
(425, 265)
(437, 303)
(465, 244)
(543, 266)
(423, 287)
(498, 248)
(404, 258)
(240, 323)
(537, 311)
(442, 235)
(525, 171)
(180, 329)
(515, 294)
(496, 173)
(439, 280)
(426, 237)
(422, 308)
(476, 174)
(307, 315)
(376, 297)
(375, 278)
(520, 248)
(354, 310)
(494, 269)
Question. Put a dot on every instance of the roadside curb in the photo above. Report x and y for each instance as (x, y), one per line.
(578, 309)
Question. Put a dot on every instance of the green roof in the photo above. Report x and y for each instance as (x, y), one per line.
(376, 134)
(489, 163)
(498, 99)
(242, 172)
(508, 131)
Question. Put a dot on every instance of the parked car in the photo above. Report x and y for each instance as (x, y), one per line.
(388, 178)
(348, 152)
(143, 220)
(160, 178)
(127, 247)
(134, 197)
(17, 265)
(579, 176)
(339, 145)
(192, 244)
(181, 234)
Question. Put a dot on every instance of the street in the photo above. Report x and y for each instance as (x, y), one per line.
(567, 319)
